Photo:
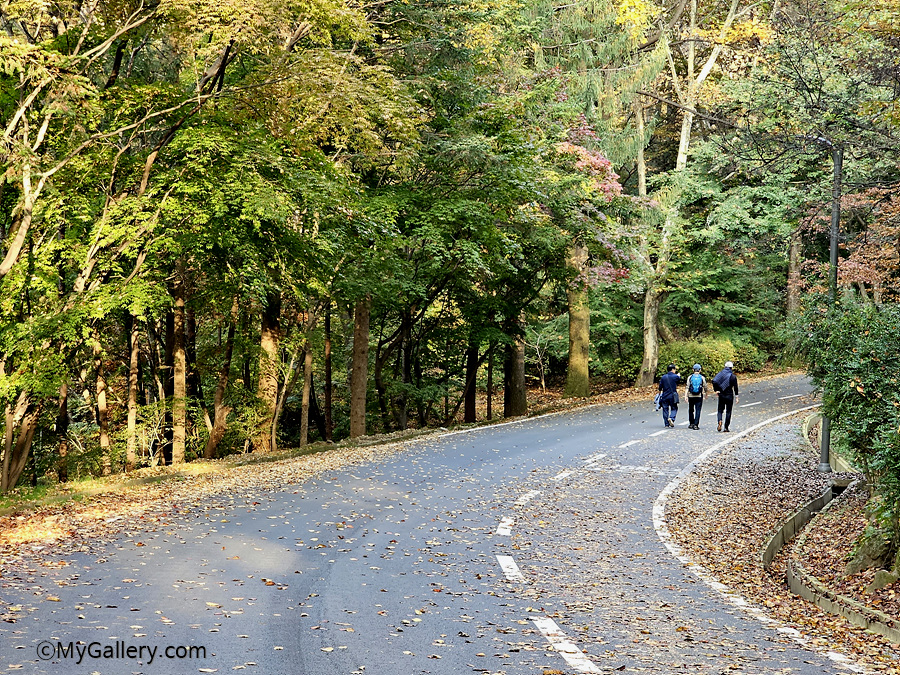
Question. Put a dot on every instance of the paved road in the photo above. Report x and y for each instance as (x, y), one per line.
(513, 549)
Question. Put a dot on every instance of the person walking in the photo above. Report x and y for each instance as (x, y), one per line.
(695, 392)
(725, 385)
(668, 400)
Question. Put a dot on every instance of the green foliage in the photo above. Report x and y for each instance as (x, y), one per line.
(853, 357)
(711, 353)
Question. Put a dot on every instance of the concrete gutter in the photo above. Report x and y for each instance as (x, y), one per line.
(804, 584)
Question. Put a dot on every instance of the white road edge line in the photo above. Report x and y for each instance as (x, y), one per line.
(567, 649)
(662, 530)
(510, 569)
(505, 527)
(564, 474)
(750, 405)
(527, 497)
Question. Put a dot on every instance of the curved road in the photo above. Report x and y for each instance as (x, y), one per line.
(517, 548)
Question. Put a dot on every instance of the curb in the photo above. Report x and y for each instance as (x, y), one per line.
(792, 526)
(804, 584)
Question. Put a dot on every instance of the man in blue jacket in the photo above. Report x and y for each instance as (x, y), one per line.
(725, 385)
(668, 400)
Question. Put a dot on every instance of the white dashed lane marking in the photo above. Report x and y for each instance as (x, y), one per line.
(629, 444)
(567, 649)
(527, 497)
(659, 433)
(510, 569)
(750, 405)
(564, 474)
(505, 527)
(784, 398)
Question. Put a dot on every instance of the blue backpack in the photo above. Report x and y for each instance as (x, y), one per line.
(695, 384)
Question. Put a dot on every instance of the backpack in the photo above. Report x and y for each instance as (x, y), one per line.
(695, 383)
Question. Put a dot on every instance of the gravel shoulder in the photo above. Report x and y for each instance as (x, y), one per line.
(724, 512)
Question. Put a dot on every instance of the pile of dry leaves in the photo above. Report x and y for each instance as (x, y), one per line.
(726, 511)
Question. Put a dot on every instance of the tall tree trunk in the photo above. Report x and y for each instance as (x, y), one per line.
(329, 424)
(62, 431)
(20, 424)
(267, 389)
(793, 282)
(490, 382)
(652, 301)
(220, 410)
(179, 393)
(578, 379)
(469, 412)
(304, 399)
(360, 368)
(134, 363)
(169, 382)
(515, 402)
(102, 410)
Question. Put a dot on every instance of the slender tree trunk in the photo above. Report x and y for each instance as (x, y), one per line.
(469, 412)
(515, 402)
(578, 380)
(793, 282)
(220, 410)
(267, 390)
(62, 431)
(179, 393)
(490, 382)
(304, 399)
(329, 424)
(169, 382)
(102, 413)
(360, 369)
(134, 361)
(652, 301)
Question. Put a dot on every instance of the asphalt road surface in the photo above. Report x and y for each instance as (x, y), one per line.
(519, 548)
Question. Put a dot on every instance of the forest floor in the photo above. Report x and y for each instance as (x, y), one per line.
(754, 494)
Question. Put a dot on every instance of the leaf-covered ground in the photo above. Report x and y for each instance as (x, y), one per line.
(827, 548)
(725, 512)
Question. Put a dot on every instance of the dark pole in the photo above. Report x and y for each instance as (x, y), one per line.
(837, 154)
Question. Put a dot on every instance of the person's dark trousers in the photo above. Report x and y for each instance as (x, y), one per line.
(669, 410)
(695, 405)
(725, 405)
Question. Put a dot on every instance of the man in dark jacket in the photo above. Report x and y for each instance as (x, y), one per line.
(725, 385)
(668, 400)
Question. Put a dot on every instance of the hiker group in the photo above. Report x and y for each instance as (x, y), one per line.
(724, 384)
